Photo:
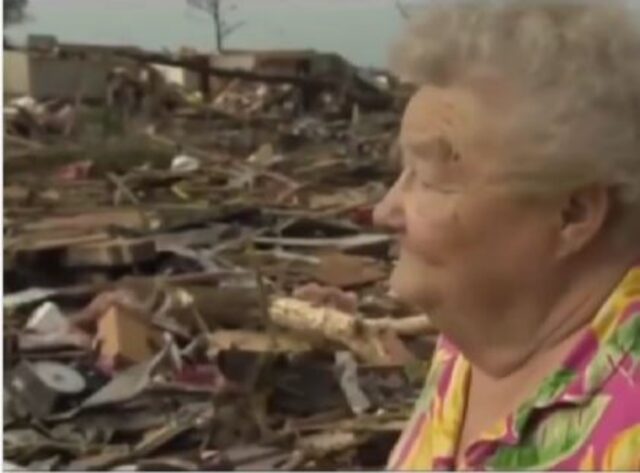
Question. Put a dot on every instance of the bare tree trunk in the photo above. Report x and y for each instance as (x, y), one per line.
(217, 21)
(222, 29)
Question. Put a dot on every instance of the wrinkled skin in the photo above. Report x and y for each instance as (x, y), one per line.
(487, 264)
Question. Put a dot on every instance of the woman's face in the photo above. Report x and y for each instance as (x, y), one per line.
(464, 237)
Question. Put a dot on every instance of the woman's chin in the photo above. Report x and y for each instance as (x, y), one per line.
(405, 288)
(408, 289)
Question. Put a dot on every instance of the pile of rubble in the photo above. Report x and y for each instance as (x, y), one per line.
(150, 321)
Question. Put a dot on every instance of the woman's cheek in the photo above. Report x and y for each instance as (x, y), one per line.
(430, 234)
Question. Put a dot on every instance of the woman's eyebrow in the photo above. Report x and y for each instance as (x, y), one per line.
(438, 148)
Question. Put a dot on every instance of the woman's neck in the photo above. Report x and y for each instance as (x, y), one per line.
(542, 322)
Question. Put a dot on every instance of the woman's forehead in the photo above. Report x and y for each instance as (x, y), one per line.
(437, 121)
(434, 113)
(455, 126)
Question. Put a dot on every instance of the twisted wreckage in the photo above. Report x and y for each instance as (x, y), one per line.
(160, 212)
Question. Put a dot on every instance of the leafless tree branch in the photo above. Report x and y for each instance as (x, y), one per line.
(214, 9)
(404, 13)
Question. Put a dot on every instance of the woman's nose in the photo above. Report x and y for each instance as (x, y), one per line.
(389, 212)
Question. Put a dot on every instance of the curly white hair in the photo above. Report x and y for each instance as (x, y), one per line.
(578, 63)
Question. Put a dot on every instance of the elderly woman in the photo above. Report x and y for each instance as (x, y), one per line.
(518, 216)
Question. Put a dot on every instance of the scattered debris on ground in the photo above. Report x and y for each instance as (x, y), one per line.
(152, 251)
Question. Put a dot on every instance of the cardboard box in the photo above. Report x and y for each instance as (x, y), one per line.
(126, 337)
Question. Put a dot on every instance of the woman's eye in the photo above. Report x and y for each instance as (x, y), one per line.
(408, 175)
(431, 186)
(413, 177)
(435, 187)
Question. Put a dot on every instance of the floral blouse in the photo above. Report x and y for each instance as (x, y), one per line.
(585, 416)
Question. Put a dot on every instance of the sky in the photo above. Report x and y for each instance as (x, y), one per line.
(361, 30)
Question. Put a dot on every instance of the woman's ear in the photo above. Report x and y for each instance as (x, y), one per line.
(582, 218)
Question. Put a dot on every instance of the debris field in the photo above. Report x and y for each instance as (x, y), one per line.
(158, 244)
